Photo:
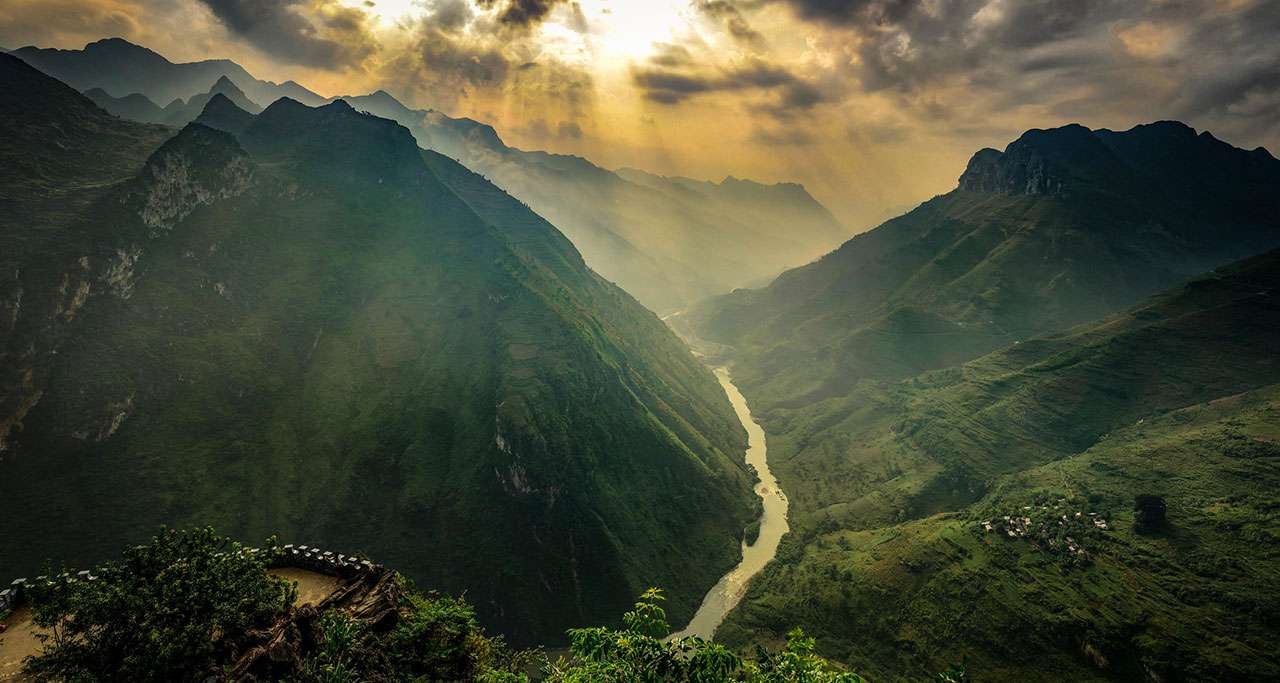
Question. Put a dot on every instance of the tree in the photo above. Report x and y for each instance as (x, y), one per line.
(1148, 513)
(638, 654)
(168, 610)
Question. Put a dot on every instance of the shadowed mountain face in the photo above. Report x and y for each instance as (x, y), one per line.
(1064, 226)
(667, 241)
(896, 431)
(311, 327)
(891, 567)
(121, 69)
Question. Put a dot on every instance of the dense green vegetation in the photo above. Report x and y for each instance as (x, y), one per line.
(667, 241)
(891, 567)
(899, 442)
(191, 606)
(171, 609)
(1064, 227)
(312, 329)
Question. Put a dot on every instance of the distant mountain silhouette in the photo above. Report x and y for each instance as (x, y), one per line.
(135, 107)
(667, 241)
(121, 68)
(177, 113)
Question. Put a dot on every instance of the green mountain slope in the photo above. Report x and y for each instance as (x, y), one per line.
(1064, 226)
(311, 328)
(890, 486)
(667, 241)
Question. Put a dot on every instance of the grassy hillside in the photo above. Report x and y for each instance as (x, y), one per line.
(1065, 226)
(667, 241)
(891, 485)
(310, 329)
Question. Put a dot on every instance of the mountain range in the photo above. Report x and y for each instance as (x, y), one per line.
(1065, 226)
(315, 328)
(1031, 426)
(121, 69)
(953, 398)
(985, 512)
(138, 107)
(667, 241)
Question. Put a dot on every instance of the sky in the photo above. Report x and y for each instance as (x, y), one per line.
(874, 105)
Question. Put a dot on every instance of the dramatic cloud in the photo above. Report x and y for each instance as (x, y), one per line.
(872, 103)
(730, 13)
(314, 33)
(481, 55)
(672, 76)
(521, 13)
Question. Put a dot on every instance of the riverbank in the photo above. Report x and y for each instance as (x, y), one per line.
(728, 592)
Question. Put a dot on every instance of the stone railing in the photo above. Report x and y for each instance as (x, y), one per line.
(296, 556)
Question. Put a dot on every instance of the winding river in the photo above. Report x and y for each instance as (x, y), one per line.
(728, 592)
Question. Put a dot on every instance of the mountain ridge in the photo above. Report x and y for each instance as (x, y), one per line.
(304, 326)
(1065, 226)
(663, 244)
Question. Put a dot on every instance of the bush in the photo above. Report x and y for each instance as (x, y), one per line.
(169, 610)
(1148, 513)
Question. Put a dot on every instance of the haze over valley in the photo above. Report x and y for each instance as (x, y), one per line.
(693, 340)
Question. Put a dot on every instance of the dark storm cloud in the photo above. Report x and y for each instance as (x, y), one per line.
(1215, 62)
(314, 33)
(672, 77)
(478, 49)
(521, 14)
(853, 11)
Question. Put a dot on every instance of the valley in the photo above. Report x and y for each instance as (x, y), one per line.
(762, 539)
(572, 421)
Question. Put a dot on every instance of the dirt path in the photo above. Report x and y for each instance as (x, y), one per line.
(312, 586)
(17, 643)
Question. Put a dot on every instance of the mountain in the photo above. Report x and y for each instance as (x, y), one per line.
(178, 113)
(891, 564)
(1064, 226)
(135, 107)
(667, 241)
(121, 69)
(223, 114)
(313, 327)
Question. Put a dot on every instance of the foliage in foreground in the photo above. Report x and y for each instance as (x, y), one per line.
(189, 605)
(167, 610)
(637, 654)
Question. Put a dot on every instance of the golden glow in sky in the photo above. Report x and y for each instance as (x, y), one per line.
(873, 104)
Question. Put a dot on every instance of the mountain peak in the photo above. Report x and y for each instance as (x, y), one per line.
(224, 83)
(221, 113)
(335, 139)
(1042, 161)
(120, 48)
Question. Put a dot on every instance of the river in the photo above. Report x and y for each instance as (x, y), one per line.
(728, 592)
